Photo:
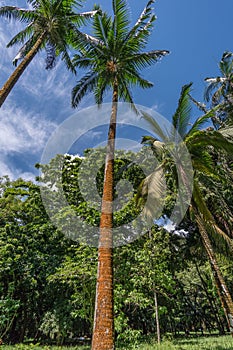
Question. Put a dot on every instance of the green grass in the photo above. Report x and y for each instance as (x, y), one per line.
(203, 343)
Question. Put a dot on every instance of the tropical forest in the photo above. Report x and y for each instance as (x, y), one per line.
(116, 247)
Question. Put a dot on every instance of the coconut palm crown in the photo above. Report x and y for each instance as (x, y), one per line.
(50, 25)
(114, 55)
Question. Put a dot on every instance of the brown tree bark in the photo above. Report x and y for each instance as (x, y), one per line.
(12, 80)
(103, 331)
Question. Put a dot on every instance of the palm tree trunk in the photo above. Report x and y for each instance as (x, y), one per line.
(12, 80)
(223, 292)
(103, 331)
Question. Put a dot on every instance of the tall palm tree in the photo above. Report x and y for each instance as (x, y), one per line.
(199, 143)
(50, 25)
(220, 89)
(113, 58)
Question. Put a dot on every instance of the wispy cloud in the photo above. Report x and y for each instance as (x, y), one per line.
(20, 131)
(9, 169)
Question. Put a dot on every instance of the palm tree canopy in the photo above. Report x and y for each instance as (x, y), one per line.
(114, 54)
(219, 87)
(55, 20)
(220, 91)
(202, 145)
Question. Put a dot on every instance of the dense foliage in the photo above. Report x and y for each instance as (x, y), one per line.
(47, 280)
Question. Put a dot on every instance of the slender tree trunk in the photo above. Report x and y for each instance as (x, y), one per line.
(12, 80)
(103, 331)
(223, 292)
(157, 318)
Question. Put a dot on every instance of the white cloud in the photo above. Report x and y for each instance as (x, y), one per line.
(20, 131)
(13, 173)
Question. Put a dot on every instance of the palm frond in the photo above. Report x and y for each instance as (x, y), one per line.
(211, 138)
(218, 230)
(102, 25)
(16, 13)
(201, 106)
(125, 93)
(135, 79)
(207, 218)
(23, 51)
(199, 122)
(143, 23)
(203, 164)
(120, 20)
(213, 84)
(101, 86)
(227, 132)
(23, 35)
(181, 118)
(162, 133)
(85, 42)
(226, 63)
(145, 59)
(152, 192)
(86, 84)
(82, 61)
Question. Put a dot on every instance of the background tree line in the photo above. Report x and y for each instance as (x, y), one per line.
(48, 281)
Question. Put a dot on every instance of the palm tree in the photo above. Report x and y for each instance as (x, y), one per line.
(200, 144)
(113, 58)
(220, 89)
(50, 25)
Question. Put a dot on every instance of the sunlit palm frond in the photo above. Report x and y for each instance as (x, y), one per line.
(227, 132)
(144, 59)
(85, 43)
(152, 192)
(143, 24)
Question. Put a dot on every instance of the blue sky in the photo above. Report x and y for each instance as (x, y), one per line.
(196, 32)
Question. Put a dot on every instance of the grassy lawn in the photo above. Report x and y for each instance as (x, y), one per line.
(204, 343)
